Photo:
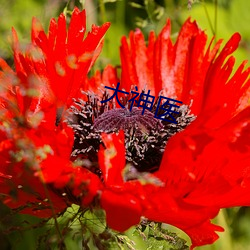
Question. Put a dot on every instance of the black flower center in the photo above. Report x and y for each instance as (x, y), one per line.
(145, 135)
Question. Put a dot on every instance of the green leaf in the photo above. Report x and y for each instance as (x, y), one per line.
(157, 236)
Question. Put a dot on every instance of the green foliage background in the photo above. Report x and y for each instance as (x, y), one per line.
(219, 17)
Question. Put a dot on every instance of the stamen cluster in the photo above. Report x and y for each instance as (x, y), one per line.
(145, 136)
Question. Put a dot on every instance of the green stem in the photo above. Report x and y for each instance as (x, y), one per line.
(208, 17)
(103, 11)
(53, 211)
(215, 17)
(120, 12)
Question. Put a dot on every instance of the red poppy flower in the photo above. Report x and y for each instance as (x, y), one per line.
(205, 163)
(181, 174)
(36, 143)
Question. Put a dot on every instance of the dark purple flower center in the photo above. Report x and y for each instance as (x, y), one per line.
(122, 119)
(145, 136)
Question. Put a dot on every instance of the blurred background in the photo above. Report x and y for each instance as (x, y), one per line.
(218, 17)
